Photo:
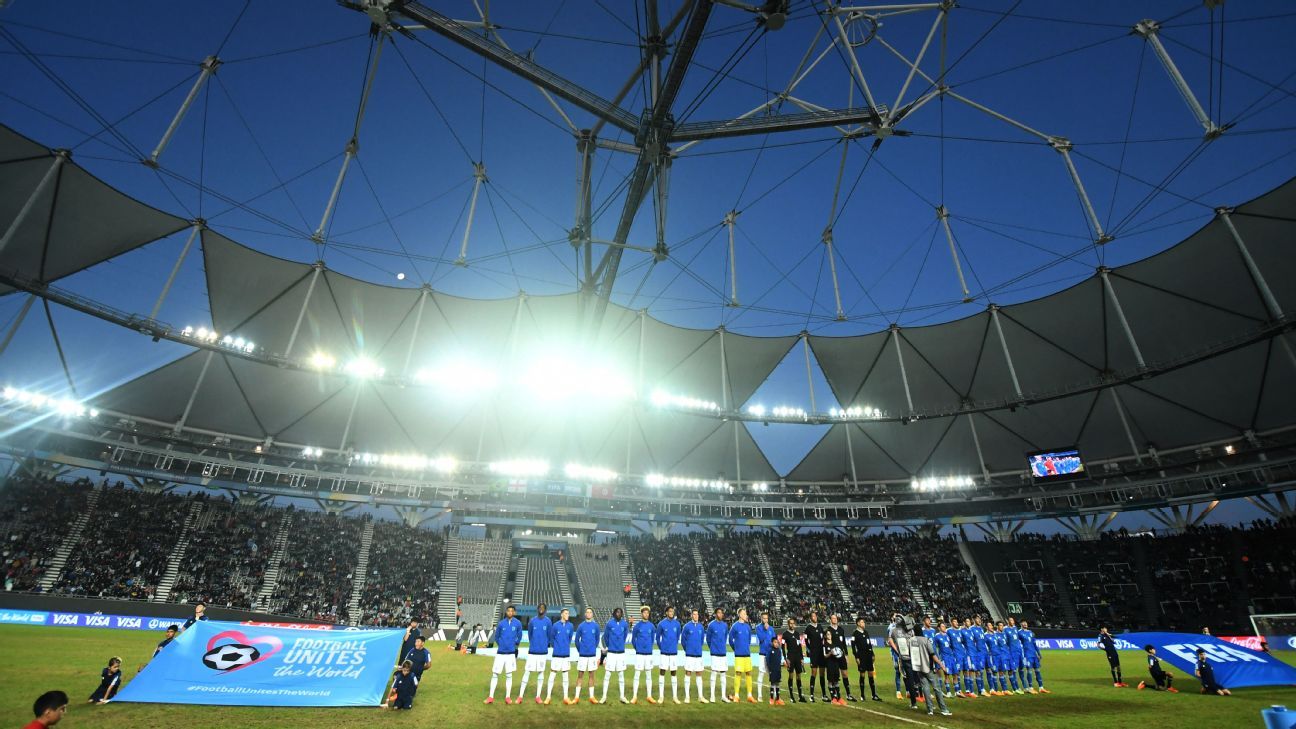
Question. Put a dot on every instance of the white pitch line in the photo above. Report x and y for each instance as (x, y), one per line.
(896, 717)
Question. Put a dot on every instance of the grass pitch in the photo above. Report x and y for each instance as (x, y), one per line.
(39, 659)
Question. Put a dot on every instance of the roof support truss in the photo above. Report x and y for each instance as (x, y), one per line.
(209, 66)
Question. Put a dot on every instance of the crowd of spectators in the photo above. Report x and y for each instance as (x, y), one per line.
(35, 512)
(734, 573)
(318, 567)
(230, 546)
(125, 545)
(802, 568)
(666, 573)
(403, 580)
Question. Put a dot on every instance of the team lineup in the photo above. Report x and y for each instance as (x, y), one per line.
(970, 659)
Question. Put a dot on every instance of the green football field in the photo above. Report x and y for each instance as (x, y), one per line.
(40, 658)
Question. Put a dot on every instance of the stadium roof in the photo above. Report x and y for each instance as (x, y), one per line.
(1186, 346)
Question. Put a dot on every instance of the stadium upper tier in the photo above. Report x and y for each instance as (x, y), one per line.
(1217, 576)
(1186, 349)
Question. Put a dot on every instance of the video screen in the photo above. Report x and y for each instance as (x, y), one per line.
(1061, 464)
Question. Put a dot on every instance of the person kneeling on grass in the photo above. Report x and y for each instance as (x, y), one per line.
(403, 688)
(1160, 677)
(109, 682)
(1206, 674)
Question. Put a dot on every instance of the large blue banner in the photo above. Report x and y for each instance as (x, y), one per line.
(1235, 666)
(248, 665)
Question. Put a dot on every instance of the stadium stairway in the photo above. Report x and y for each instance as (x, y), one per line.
(632, 601)
(848, 598)
(519, 582)
(361, 572)
(1063, 588)
(1147, 588)
(446, 602)
(707, 599)
(69, 543)
(984, 588)
(769, 581)
(276, 560)
(564, 585)
(913, 589)
(169, 577)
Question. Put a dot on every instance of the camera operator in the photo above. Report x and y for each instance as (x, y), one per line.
(898, 639)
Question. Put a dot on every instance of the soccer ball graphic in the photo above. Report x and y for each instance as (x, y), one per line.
(230, 656)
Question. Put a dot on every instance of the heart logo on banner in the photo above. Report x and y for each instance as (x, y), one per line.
(268, 645)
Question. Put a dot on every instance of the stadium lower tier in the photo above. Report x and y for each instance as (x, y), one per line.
(71, 539)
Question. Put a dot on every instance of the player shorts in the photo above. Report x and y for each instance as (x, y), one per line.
(615, 662)
(760, 665)
(562, 664)
(536, 662)
(742, 664)
(505, 664)
(817, 661)
(587, 663)
(1031, 661)
(720, 664)
(976, 662)
(797, 666)
(1013, 661)
(1113, 659)
(951, 663)
(645, 661)
(958, 664)
(693, 664)
(668, 662)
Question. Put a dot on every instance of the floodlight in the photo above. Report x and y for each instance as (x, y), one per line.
(593, 474)
(520, 468)
(322, 361)
(757, 410)
(364, 368)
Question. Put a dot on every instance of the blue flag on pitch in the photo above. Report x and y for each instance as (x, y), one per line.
(244, 665)
(1235, 666)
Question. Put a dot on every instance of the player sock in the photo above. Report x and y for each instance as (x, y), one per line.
(760, 688)
(634, 695)
(621, 683)
(1039, 680)
(713, 683)
(607, 676)
(724, 684)
(823, 680)
(564, 675)
(980, 684)
(688, 686)
(494, 682)
(1012, 678)
(699, 685)
(522, 689)
(648, 683)
(674, 687)
(549, 691)
(508, 685)
(872, 685)
(846, 683)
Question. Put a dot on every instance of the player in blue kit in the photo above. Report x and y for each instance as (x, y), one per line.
(587, 646)
(717, 633)
(614, 639)
(962, 682)
(765, 634)
(1014, 657)
(998, 646)
(1031, 658)
(693, 636)
(508, 634)
(975, 639)
(537, 652)
(668, 641)
(943, 644)
(560, 637)
(895, 665)
(642, 636)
